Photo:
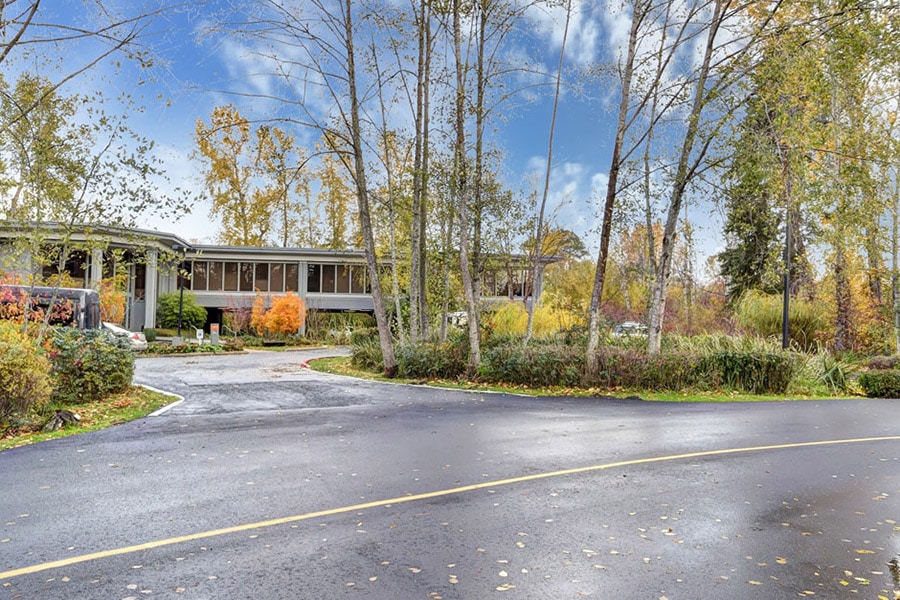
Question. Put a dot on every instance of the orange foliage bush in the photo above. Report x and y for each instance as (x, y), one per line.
(112, 300)
(258, 314)
(286, 315)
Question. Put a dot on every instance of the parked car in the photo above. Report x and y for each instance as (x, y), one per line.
(630, 329)
(136, 339)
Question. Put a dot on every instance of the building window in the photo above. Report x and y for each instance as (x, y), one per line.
(261, 281)
(199, 279)
(214, 276)
(489, 284)
(292, 277)
(276, 277)
(246, 281)
(358, 280)
(231, 277)
(328, 279)
(343, 279)
(140, 281)
(76, 264)
(314, 278)
(184, 276)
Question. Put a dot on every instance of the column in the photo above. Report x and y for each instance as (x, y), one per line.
(96, 271)
(151, 289)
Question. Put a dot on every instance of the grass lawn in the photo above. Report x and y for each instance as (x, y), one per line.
(135, 403)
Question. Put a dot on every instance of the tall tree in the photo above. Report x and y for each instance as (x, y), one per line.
(335, 197)
(539, 263)
(69, 161)
(312, 48)
(720, 69)
(814, 115)
(625, 118)
(233, 155)
(462, 191)
(282, 165)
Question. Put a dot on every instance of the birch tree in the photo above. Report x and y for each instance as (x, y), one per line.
(539, 228)
(232, 154)
(311, 49)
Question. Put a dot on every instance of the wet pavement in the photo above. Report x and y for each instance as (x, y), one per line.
(273, 481)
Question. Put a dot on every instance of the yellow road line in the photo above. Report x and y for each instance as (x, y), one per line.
(416, 497)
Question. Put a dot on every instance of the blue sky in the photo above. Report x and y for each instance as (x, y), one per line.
(196, 74)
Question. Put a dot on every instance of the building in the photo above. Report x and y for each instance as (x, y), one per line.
(222, 278)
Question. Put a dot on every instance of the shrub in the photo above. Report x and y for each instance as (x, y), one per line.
(193, 316)
(365, 349)
(24, 383)
(432, 360)
(833, 373)
(754, 372)
(512, 319)
(113, 299)
(544, 365)
(509, 319)
(88, 365)
(332, 325)
(635, 369)
(881, 363)
(881, 384)
(285, 317)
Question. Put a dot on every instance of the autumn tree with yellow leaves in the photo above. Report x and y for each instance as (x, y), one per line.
(250, 178)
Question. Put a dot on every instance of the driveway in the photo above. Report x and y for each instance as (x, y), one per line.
(254, 381)
(270, 481)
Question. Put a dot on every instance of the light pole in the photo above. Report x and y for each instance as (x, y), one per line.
(183, 251)
(786, 305)
(786, 302)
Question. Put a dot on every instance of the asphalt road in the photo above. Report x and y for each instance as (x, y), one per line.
(271, 481)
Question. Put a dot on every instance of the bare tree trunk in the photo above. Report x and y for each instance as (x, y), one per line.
(417, 258)
(648, 145)
(687, 274)
(422, 248)
(895, 263)
(362, 192)
(609, 204)
(392, 219)
(876, 265)
(539, 229)
(477, 187)
(446, 242)
(462, 195)
(683, 175)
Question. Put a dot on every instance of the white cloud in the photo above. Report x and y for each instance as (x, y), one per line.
(572, 199)
(584, 35)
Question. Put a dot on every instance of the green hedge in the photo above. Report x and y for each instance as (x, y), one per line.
(754, 372)
(549, 363)
(432, 360)
(88, 365)
(881, 384)
(546, 365)
(365, 349)
(632, 368)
